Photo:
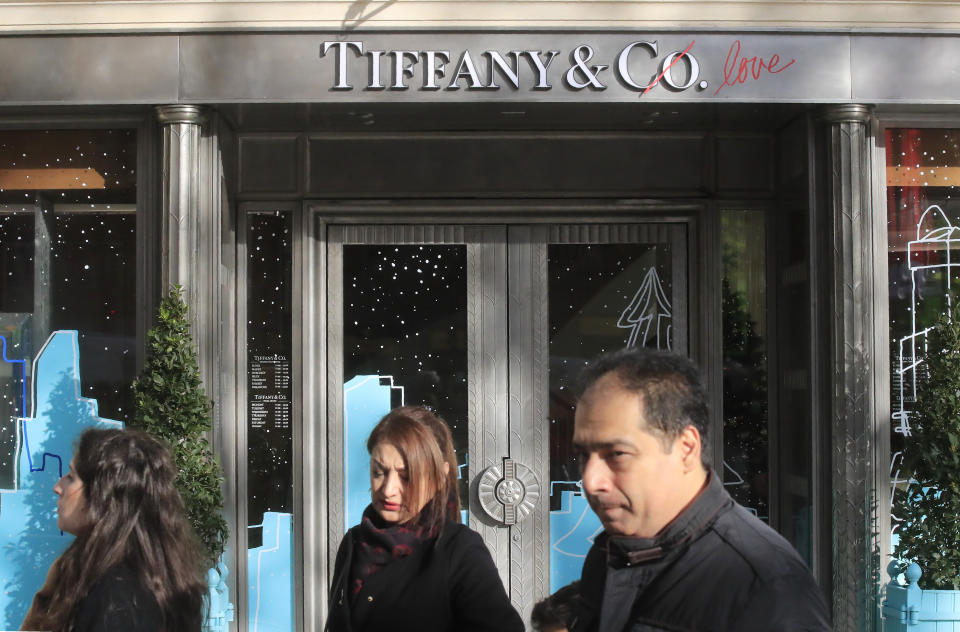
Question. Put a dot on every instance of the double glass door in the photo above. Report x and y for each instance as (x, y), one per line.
(488, 325)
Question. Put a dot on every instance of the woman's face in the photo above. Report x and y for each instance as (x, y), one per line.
(71, 504)
(390, 486)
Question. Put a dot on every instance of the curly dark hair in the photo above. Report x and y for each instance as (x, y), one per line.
(135, 516)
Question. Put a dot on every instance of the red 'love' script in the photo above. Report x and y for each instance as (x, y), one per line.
(739, 70)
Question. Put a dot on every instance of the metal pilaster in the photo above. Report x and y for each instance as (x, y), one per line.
(854, 348)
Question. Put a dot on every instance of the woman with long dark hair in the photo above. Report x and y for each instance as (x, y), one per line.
(410, 564)
(135, 564)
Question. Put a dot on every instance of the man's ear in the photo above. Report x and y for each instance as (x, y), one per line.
(690, 447)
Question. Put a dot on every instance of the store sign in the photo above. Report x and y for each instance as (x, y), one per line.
(518, 66)
(639, 66)
(470, 66)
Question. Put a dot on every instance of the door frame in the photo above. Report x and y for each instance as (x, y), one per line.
(704, 341)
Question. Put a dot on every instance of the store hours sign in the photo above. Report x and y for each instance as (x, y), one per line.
(270, 391)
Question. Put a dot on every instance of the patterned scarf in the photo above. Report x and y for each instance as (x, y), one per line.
(378, 543)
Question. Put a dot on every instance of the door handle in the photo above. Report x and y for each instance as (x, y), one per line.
(508, 494)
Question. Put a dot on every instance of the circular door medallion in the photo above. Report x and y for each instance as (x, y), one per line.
(508, 494)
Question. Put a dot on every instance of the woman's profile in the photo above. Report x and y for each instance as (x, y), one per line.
(134, 565)
(410, 564)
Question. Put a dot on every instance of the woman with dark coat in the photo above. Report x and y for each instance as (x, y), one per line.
(135, 563)
(410, 564)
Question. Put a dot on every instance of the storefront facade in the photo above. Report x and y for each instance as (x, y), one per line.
(461, 217)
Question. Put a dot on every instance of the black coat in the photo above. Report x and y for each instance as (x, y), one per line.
(449, 585)
(716, 567)
(117, 601)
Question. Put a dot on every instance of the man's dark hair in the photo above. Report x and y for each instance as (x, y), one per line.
(557, 610)
(670, 389)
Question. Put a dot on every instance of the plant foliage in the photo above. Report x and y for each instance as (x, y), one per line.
(171, 404)
(929, 509)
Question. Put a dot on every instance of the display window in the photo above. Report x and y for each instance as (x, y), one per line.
(68, 326)
(923, 229)
(269, 458)
(746, 437)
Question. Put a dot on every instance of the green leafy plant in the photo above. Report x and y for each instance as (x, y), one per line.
(929, 509)
(171, 404)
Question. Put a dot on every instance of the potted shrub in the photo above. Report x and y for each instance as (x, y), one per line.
(170, 404)
(929, 507)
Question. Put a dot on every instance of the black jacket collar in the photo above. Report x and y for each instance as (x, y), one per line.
(674, 538)
(632, 564)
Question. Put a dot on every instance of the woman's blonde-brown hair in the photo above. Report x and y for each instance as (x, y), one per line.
(425, 443)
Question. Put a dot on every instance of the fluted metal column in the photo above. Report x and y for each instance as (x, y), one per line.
(854, 352)
(197, 237)
(191, 227)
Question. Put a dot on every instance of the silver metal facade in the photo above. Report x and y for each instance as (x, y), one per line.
(855, 343)
(499, 392)
(588, 67)
(189, 180)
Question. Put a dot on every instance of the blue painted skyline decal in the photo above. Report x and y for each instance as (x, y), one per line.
(572, 530)
(29, 538)
(366, 399)
(270, 576)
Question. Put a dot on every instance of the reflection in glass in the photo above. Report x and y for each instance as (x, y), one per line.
(16, 306)
(92, 289)
(76, 189)
(16, 258)
(404, 324)
(602, 297)
(745, 441)
(923, 224)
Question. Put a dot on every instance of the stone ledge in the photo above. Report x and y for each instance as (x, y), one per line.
(71, 16)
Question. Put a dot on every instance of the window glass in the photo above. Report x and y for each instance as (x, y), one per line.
(16, 307)
(745, 419)
(602, 297)
(923, 219)
(89, 245)
(68, 299)
(270, 485)
(404, 342)
(68, 244)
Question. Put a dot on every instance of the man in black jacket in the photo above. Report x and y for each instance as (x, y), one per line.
(677, 553)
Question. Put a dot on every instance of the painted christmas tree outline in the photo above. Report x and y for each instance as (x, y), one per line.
(648, 309)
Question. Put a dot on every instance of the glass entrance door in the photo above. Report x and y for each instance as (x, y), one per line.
(608, 288)
(416, 315)
(488, 326)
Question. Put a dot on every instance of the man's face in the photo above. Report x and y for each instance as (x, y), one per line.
(633, 484)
